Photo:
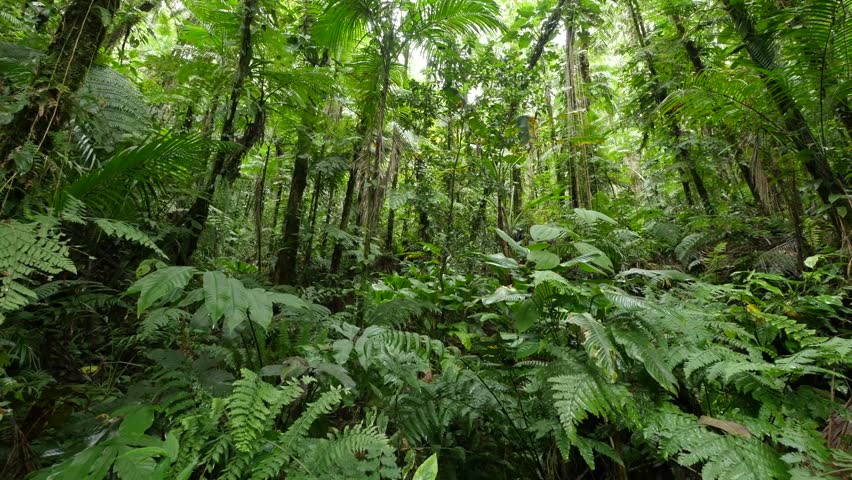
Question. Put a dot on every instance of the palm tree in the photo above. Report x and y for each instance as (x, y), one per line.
(381, 32)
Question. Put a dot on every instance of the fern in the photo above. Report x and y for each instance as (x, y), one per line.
(252, 407)
(583, 392)
(724, 457)
(158, 319)
(166, 282)
(126, 231)
(375, 339)
(27, 249)
(137, 176)
(110, 108)
(597, 342)
(299, 429)
(357, 451)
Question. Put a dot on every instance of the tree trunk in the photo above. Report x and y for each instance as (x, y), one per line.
(478, 219)
(329, 211)
(337, 254)
(285, 265)
(391, 215)
(60, 74)
(259, 198)
(812, 156)
(196, 219)
(684, 157)
(422, 195)
(312, 223)
(501, 222)
(372, 204)
(661, 92)
(571, 107)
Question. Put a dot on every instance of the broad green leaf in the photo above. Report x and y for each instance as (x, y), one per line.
(549, 276)
(136, 465)
(591, 217)
(260, 307)
(225, 297)
(172, 445)
(138, 419)
(504, 294)
(501, 261)
(543, 259)
(526, 349)
(427, 470)
(217, 294)
(597, 257)
(544, 233)
(511, 241)
(342, 348)
(811, 261)
(526, 315)
(288, 300)
(159, 284)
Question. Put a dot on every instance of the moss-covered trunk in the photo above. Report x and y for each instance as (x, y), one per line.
(60, 74)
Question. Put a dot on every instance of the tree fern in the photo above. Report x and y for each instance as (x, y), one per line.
(138, 175)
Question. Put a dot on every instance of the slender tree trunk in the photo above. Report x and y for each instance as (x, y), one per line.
(337, 254)
(391, 218)
(225, 164)
(748, 176)
(683, 155)
(285, 265)
(329, 212)
(259, 199)
(661, 92)
(277, 206)
(571, 107)
(60, 74)
(188, 119)
(478, 219)
(501, 221)
(422, 195)
(309, 249)
(517, 190)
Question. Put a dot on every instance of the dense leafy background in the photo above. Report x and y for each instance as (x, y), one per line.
(420, 239)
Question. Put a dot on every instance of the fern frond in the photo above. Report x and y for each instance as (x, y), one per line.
(252, 407)
(126, 231)
(680, 435)
(299, 429)
(27, 249)
(357, 451)
(597, 342)
(583, 392)
(165, 282)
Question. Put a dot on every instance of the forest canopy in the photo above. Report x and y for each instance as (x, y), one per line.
(425, 239)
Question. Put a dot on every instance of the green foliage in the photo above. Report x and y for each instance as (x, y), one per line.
(624, 255)
(26, 250)
(126, 231)
(253, 405)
